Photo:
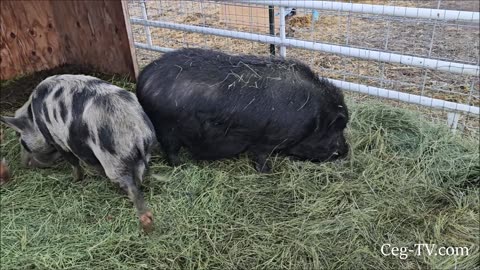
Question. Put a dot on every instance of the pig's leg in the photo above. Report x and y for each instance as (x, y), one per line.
(146, 216)
(127, 183)
(171, 146)
(99, 169)
(140, 169)
(260, 162)
(75, 162)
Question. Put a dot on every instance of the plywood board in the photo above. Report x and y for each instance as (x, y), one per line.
(37, 35)
(248, 17)
(29, 38)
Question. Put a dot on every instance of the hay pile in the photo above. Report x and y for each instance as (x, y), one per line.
(406, 181)
(300, 21)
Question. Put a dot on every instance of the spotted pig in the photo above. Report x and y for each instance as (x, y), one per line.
(83, 119)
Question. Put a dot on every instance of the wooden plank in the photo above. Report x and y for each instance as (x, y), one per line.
(38, 35)
(128, 27)
(29, 40)
(248, 17)
(94, 33)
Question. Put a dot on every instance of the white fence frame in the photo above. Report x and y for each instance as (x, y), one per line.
(375, 55)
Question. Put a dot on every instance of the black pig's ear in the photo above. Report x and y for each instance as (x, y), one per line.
(18, 124)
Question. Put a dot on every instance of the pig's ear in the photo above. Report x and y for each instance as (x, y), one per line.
(18, 124)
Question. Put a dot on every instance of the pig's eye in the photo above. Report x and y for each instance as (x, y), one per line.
(25, 146)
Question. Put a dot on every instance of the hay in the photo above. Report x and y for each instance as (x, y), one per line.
(406, 181)
(300, 21)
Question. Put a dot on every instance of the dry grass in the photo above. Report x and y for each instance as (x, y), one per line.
(406, 181)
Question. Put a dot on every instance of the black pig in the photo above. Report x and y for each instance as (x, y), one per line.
(219, 105)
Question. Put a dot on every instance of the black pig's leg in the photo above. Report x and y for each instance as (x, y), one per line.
(171, 146)
(260, 162)
(127, 183)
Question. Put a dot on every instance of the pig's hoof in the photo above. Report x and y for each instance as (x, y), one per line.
(78, 178)
(78, 174)
(173, 160)
(265, 168)
(146, 219)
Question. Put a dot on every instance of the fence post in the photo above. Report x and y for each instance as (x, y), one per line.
(271, 22)
(452, 121)
(160, 12)
(147, 28)
(283, 49)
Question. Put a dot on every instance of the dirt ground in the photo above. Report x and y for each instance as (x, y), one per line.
(14, 93)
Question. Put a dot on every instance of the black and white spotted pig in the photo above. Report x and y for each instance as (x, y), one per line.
(84, 119)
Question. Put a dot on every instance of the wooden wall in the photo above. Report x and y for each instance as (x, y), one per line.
(38, 35)
(255, 17)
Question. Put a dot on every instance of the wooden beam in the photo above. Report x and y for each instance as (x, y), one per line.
(128, 27)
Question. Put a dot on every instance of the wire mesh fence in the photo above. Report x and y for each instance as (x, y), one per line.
(424, 52)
